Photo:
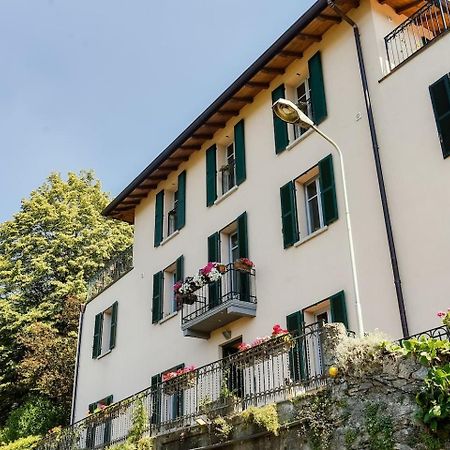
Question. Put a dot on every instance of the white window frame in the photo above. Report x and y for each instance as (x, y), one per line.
(297, 130)
(308, 201)
(169, 304)
(106, 331)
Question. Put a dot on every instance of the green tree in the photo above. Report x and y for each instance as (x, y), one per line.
(48, 252)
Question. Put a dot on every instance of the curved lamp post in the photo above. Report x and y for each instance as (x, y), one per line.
(289, 112)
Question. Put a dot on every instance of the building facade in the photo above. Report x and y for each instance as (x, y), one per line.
(240, 183)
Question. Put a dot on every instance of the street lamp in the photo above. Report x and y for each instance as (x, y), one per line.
(289, 112)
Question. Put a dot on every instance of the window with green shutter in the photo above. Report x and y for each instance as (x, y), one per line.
(289, 214)
(280, 128)
(239, 149)
(338, 308)
(214, 256)
(98, 331)
(328, 190)
(297, 355)
(91, 430)
(316, 84)
(243, 279)
(211, 175)
(181, 201)
(113, 330)
(159, 218)
(440, 98)
(157, 309)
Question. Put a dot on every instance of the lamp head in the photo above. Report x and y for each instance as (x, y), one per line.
(289, 112)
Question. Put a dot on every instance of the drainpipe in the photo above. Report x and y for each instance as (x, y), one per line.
(77, 363)
(379, 170)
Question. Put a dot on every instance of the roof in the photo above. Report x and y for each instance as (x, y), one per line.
(307, 30)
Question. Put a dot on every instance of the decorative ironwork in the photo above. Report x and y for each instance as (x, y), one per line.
(114, 269)
(441, 333)
(235, 284)
(221, 387)
(417, 31)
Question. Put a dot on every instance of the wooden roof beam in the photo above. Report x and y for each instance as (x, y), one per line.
(242, 99)
(215, 124)
(273, 70)
(329, 18)
(402, 9)
(258, 84)
(228, 113)
(179, 159)
(309, 37)
(190, 147)
(137, 195)
(291, 54)
(148, 186)
(205, 136)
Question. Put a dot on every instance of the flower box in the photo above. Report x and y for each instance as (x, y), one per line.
(186, 299)
(180, 383)
(243, 264)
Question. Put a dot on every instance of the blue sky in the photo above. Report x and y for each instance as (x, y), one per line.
(89, 84)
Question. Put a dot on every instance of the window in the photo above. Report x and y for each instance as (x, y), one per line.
(103, 430)
(105, 331)
(309, 202)
(310, 95)
(164, 301)
(230, 159)
(170, 210)
(440, 98)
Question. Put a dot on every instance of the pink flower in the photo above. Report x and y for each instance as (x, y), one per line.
(441, 314)
(247, 262)
(207, 269)
(177, 286)
(243, 346)
(277, 330)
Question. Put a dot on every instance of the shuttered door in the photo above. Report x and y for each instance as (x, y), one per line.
(239, 148)
(440, 98)
(157, 311)
(214, 256)
(338, 308)
(318, 100)
(155, 418)
(297, 355)
(211, 175)
(113, 332)
(280, 128)
(289, 214)
(98, 330)
(159, 218)
(181, 205)
(328, 190)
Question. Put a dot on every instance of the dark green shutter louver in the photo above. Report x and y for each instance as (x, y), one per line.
(178, 398)
(214, 256)
(156, 388)
(338, 308)
(211, 175)
(280, 128)
(239, 148)
(113, 332)
(297, 356)
(181, 206)
(159, 217)
(180, 268)
(440, 98)
(328, 190)
(108, 422)
(289, 214)
(157, 310)
(243, 278)
(98, 330)
(318, 100)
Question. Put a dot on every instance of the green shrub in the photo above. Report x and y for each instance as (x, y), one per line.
(26, 443)
(264, 416)
(35, 417)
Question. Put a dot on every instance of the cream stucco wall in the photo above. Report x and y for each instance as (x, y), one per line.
(289, 280)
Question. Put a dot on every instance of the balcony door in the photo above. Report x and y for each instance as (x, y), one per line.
(233, 377)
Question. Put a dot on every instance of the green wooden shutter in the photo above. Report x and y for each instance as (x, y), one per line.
(178, 399)
(297, 356)
(280, 127)
(156, 399)
(239, 149)
(440, 98)
(181, 206)
(180, 268)
(211, 175)
(214, 256)
(98, 330)
(113, 332)
(157, 310)
(108, 422)
(243, 278)
(328, 190)
(338, 308)
(159, 217)
(289, 214)
(92, 407)
(318, 100)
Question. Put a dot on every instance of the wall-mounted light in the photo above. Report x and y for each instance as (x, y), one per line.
(226, 334)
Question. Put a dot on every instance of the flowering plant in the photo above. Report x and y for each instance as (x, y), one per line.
(171, 375)
(208, 274)
(445, 316)
(276, 332)
(246, 262)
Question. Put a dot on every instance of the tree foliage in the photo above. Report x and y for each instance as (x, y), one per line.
(48, 252)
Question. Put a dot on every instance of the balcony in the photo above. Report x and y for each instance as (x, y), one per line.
(418, 31)
(114, 269)
(219, 303)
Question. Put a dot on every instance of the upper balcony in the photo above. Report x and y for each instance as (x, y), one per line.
(418, 31)
(216, 304)
(114, 269)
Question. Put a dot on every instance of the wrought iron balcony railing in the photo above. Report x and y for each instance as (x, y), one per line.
(219, 303)
(274, 371)
(114, 269)
(425, 25)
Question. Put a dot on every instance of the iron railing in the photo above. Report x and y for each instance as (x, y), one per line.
(228, 173)
(113, 270)
(270, 372)
(441, 333)
(426, 24)
(235, 284)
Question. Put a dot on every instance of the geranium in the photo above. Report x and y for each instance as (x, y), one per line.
(207, 269)
(247, 262)
(243, 346)
(177, 286)
(445, 316)
(171, 375)
(277, 330)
